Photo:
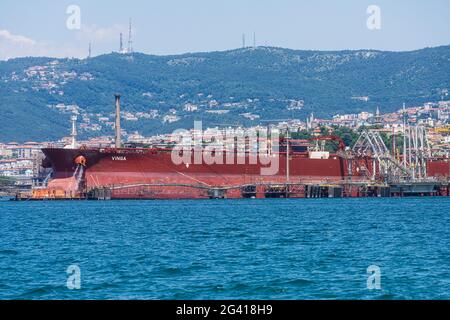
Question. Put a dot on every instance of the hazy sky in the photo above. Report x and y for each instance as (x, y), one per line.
(177, 26)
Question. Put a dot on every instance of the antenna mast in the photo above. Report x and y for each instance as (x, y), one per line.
(130, 39)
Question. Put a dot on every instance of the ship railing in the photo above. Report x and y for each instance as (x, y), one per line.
(330, 182)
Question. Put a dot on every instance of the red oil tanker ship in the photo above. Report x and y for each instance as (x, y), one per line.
(132, 173)
(151, 173)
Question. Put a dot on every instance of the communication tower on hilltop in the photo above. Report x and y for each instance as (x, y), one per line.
(130, 38)
(121, 43)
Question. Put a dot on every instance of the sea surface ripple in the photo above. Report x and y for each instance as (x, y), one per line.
(226, 249)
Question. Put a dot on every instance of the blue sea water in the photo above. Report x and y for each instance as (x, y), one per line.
(215, 249)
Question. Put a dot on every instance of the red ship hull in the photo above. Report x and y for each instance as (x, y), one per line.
(151, 174)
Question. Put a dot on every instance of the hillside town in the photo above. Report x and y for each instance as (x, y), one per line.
(21, 161)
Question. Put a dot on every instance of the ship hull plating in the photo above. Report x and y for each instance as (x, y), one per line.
(152, 174)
